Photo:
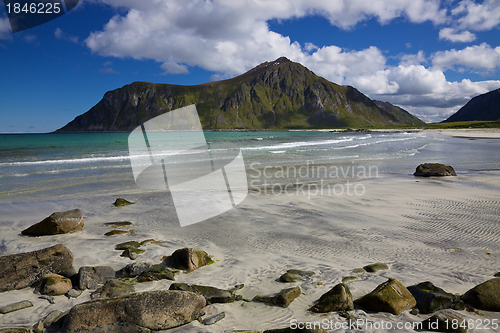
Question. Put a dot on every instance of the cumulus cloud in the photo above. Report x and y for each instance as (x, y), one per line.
(478, 56)
(454, 36)
(228, 37)
(477, 16)
(5, 30)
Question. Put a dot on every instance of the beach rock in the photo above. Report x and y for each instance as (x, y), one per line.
(38, 327)
(443, 322)
(283, 298)
(132, 253)
(133, 270)
(214, 319)
(349, 278)
(140, 312)
(57, 223)
(119, 202)
(55, 285)
(113, 288)
(21, 270)
(295, 275)
(211, 294)
(358, 271)
(128, 245)
(119, 232)
(380, 266)
(52, 317)
(15, 307)
(431, 298)
(155, 273)
(73, 293)
(118, 224)
(188, 259)
(485, 296)
(390, 296)
(339, 298)
(93, 277)
(15, 330)
(434, 170)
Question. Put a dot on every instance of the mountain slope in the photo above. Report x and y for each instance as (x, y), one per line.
(400, 113)
(274, 95)
(482, 107)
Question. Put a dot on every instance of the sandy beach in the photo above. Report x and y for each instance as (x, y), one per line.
(444, 230)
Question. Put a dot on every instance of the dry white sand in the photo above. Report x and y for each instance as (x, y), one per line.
(425, 229)
(471, 133)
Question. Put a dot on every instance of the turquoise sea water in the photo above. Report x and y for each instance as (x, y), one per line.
(41, 166)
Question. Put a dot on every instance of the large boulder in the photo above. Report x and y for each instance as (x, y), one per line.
(434, 170)
(339, 298)
(133, 270)
(19, 271)
(390, 296)
(211, 294)
(94, 277)
(141, 312)
(188, 259)
(57, 223)
(431, 298)
(295, 275)
(157, 272)
(485, 296)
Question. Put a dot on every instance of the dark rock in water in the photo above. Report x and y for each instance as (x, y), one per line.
(15, 330)
(211, 294)
(21, 270)
(188, 259)
(15, 307)
(57, 223)
(93, 277)
(390, 296)
(349, 278)
(485, 296)
(140, 312)
(118, 224)
(157, 272)
(50, 299)
(434, 170)
(132, 253)
(295, 275)
(122, 202)
(497, 274)
(339, 298)
(283, 298)
(55, 285)
(119, 232)
(128, 245)
(358, 271)
(133, 270)
(375, 267)
(113, 288)
(214, 319)
(445, 322)
(431, 298)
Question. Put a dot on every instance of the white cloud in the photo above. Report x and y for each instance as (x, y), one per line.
(5, 30)
(228, 37)
(173, 68)
(477, 16)
(453, 36)
(478, 56)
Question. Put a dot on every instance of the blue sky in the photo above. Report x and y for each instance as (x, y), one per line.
(427, 56)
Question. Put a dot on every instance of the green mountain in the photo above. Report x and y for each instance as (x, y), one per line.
(403, 115)
(482, 107)
(274, 95)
